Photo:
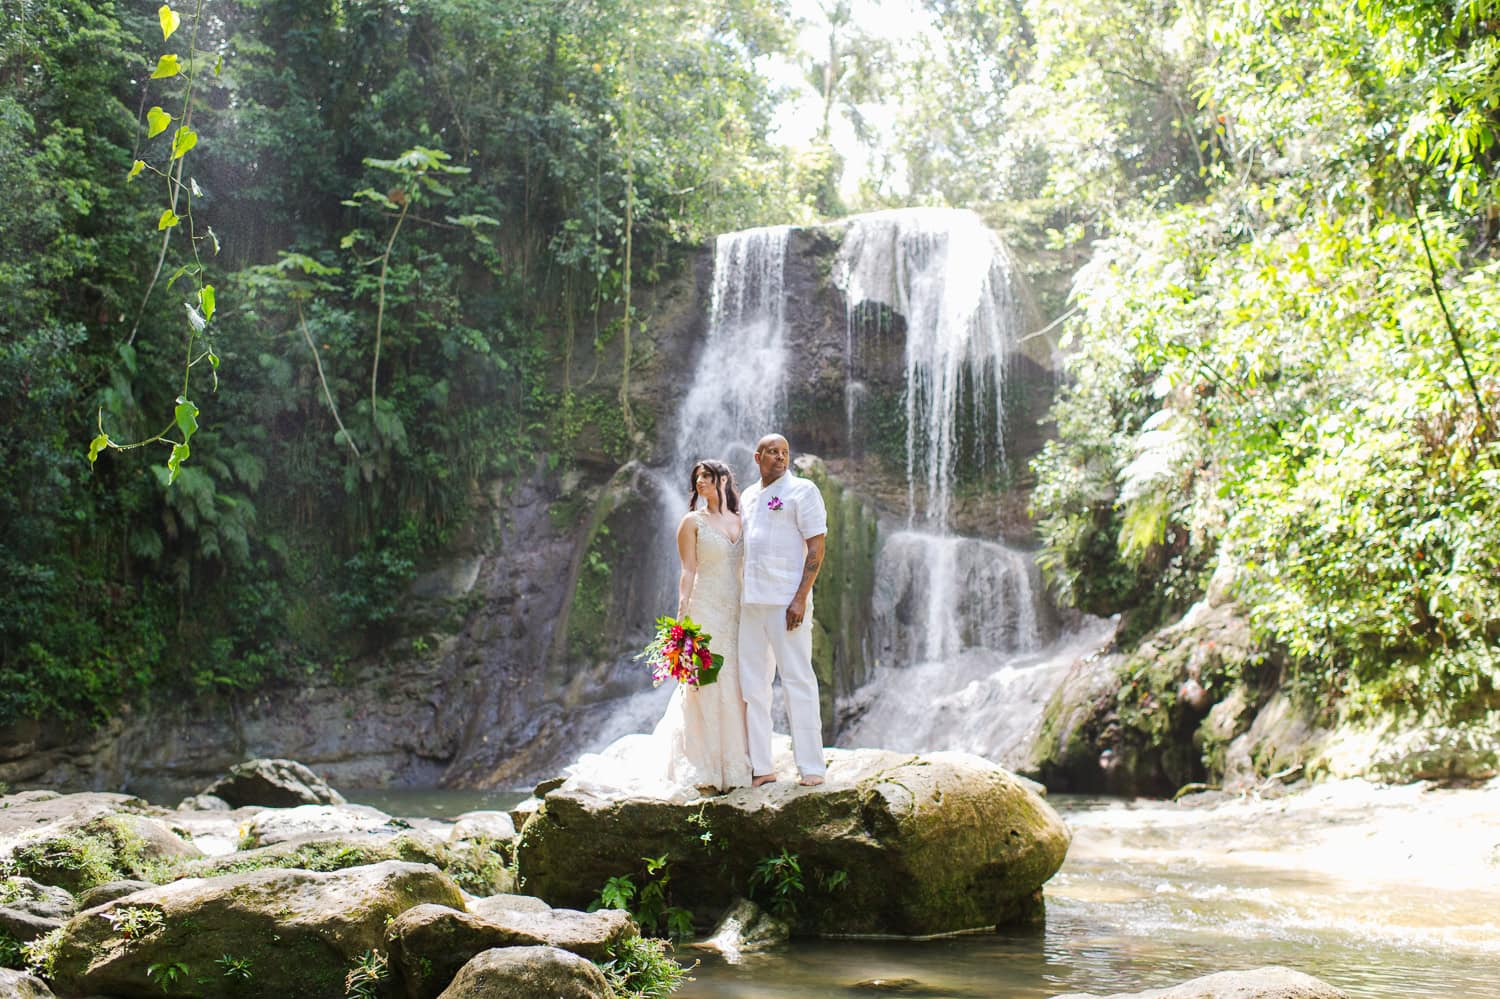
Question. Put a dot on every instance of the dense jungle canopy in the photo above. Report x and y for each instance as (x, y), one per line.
(360, 257)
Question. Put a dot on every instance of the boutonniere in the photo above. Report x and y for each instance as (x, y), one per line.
(774, 503)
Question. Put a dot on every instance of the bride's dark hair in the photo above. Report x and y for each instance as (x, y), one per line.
(723, 479)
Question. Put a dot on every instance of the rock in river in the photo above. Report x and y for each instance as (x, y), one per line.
(528, 973)
(1262, 983)
(274, 783)
(296, 932)
(892, 843)
(429, 944)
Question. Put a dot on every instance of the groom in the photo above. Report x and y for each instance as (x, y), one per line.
(785, 526)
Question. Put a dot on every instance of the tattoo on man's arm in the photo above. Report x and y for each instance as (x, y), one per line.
(812, 565)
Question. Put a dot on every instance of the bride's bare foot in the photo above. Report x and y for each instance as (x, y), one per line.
(762, 780)
(811, 780)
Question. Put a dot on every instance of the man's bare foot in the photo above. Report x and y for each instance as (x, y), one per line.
(762, 780)
(811, 780)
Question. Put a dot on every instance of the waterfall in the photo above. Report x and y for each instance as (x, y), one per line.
(952, 281)
(936, 596)
(737, 394)
(961, 647)
(965, 652)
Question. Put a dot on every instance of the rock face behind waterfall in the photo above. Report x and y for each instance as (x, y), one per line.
(892, 843)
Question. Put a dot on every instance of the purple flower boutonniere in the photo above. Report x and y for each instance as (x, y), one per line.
(774, 503)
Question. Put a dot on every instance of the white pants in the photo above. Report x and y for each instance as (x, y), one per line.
(765, 645)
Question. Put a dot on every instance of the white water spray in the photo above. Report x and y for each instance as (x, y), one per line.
(953, 282)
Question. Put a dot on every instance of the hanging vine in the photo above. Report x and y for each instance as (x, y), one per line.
(180, 191)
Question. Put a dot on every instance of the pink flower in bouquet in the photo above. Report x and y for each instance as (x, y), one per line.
(774, 503)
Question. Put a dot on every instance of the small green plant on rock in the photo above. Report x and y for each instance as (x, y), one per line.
(650, 906)
(12, 951)
(168, 973)
(364, 979)
(777, 883)
(642, 968)
(11, 889)
(41, 953)
(136, 921)
(236, 967)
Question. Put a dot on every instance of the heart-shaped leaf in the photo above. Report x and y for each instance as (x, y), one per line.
(157, 121)
(168, 219)
(186, 415)
(170, 19)
(96, 445)
(135, 169)
(206, 299)
(183, 140)
(166, 68)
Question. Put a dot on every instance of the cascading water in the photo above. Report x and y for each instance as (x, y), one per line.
(962, 641)
(738, 392)
(951, 279)
(962, 629)
(735, 394)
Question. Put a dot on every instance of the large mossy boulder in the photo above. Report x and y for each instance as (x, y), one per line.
(529, 973)
(1262, 983)
(273, 783)
(892, 843)
(78, 841)
(1156, 718)
(289, 933)
(430, 943)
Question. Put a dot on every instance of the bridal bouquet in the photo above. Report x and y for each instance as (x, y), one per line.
(680, 651)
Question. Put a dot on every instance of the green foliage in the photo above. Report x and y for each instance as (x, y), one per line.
(12, 952)
(41, 953)
(1269, 380)
(777, 883)
(375, 578)
(181, 190)
(650, 902)
(169, 974)
(270, 552)
(75, 861)
(366, 978)
(134, 921)
(643, 968)
(236, 968)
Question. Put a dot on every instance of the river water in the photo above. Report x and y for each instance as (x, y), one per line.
(1384, 893)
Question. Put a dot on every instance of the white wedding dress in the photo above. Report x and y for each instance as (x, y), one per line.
(700, 741)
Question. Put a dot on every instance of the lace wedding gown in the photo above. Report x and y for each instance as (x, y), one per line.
(700, 741)
(704, 727)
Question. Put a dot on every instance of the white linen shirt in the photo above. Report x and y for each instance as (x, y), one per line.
(776, 539)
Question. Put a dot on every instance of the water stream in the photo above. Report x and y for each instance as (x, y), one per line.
(1153, 894)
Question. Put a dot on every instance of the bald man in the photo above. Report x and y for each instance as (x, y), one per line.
(785, 527)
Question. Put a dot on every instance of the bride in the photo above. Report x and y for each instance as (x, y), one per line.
(699, 746)
(704, 727)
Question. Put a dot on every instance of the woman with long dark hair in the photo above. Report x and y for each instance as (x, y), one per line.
(705, 726)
